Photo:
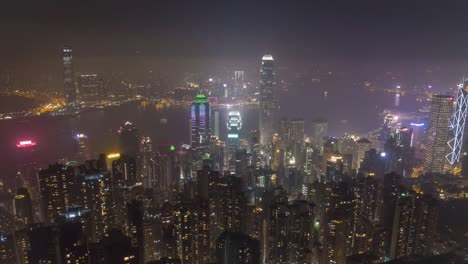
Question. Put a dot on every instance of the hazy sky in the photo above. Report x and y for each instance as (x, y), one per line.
(327, 29)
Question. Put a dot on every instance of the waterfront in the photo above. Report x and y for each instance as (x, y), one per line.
(54, 134)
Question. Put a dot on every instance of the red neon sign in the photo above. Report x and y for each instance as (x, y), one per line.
(25, 143)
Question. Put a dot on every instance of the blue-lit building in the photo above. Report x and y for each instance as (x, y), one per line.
(200, 126)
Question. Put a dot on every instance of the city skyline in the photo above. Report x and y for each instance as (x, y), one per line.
(227, 133)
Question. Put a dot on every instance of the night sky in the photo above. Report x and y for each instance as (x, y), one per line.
(371, 30)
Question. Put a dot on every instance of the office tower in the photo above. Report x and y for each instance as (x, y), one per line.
(319, 129)
(147, 163)
(400, 155)
(129, 140)
(27, 166)
(457, 125)
(216, 123)
(23, 208)
(239, 84)
(68, 76)
(134, 230)
(438, 134)
(267, 100)
(237, 247)
(312, 162)
(83, 151)
(296, 141)
(56, 184)
(234, 126)
(124, 171)
(95, 193)
(91, 87)
(200, 126)
(217, 154)
(363, 145)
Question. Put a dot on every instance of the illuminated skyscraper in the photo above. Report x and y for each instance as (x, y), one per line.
(457, 125)
(129, 143)
(124, 171)
(438, 135)
(91, 87)
(95, 193)
(56, 183)
(23, 207)
(234, 125)
(68, 78)
(267, 103)
(82, 147)
(200, 125)
(147, 170)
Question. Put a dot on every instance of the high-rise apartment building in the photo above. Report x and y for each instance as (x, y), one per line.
(56, 184)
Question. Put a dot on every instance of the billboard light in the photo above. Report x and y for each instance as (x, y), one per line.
(25, 143)
(113, 156)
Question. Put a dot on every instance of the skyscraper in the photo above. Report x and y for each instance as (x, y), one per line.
(267, 103)
(91, 87)
(68, 78)
(457, 125)
(95, 192)
(237, 247)
(56, 183)
(437, 148)
(234, 125)
(200, 125)
(129, 143)
(83, 152)
(23, 207)
(147, 170)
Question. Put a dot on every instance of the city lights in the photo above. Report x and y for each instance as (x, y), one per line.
(26, 143)
(113, 156)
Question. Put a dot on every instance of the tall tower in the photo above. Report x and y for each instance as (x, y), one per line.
(234, 126)
(68, 80)
(267, 104)
(56, 184)
(129, 142)
(437, 148)
(457, 125)
(200, 125)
